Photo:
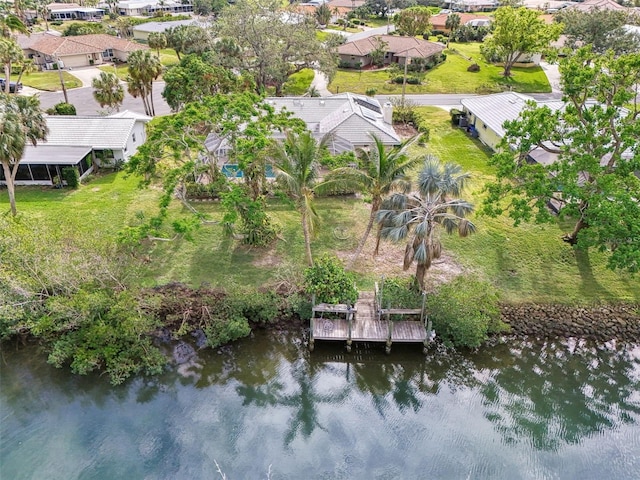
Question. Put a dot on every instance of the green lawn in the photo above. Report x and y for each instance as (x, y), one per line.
(448, 77)
(299, 82)
(168, 57)
(120, 70)
(48, 80)
(526, 263)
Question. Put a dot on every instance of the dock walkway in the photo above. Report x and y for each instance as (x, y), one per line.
(367, 322)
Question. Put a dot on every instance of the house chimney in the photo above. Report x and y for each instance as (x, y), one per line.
(387, 113)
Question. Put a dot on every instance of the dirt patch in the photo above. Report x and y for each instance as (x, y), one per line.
(405, 131)
(267, 258)
(388, 262)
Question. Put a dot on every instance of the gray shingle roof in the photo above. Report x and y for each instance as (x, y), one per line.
(97, 132)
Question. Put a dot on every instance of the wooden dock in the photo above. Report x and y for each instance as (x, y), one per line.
(367, 322)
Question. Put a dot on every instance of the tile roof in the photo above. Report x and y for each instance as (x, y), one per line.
(97, 132)
(589, 5)
(398, 45)
(346, 3)
(76, 45)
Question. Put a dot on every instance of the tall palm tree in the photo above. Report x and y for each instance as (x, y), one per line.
(383, 171)
(10, 24)
(419, 216)
(108, 90)
(452, 24)
(296, 161)
(157, 41)
(10, 53)
(21, 121)
(144, 68)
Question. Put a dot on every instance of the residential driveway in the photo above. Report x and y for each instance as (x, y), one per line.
(85, 74)
(82, 99)
(371, 32)
(320, 83)
(553, 75)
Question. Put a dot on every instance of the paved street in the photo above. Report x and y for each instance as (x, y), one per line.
(85, 104)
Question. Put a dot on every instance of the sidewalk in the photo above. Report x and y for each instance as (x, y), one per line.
(553, 75)
(320, 83)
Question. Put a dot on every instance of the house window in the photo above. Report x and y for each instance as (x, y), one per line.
(108, 53)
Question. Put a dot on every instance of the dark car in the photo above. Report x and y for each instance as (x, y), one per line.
(13, 86)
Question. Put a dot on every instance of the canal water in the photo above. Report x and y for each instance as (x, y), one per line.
(267, 408)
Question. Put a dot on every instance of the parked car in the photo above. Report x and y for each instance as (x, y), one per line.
(13, 86)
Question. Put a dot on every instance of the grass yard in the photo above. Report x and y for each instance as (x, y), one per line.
(48, 80)
(168, 57)
(299, 82)
(448, 77)
(526, 263)
(120, 69)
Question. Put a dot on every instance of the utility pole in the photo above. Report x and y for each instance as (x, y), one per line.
(64, 89)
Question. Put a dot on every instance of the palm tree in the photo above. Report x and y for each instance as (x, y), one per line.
(108, 91)
(10, 53)
(21, 121)
(9, 24)
(383, 171)
(157, 41)
(419, 216)
(296, 161)
(144, 68)
(452, 23)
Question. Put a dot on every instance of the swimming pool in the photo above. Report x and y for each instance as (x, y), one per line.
(233, 171)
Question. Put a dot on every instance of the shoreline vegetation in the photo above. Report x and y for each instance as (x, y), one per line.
(97, 304)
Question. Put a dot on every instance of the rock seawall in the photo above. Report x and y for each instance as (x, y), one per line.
(599, 323)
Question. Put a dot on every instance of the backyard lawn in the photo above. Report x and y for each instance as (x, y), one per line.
(448, 77)
(525, 263)
(120, 70)
(298, 83)
(48, 80)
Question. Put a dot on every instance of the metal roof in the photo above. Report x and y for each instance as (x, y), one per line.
(97, 132)
(160, 27)
(496, 109)
(53, 155)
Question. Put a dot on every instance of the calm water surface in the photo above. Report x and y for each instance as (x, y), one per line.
(516, 411)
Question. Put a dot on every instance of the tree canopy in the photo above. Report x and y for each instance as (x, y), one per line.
(413, 21)
(602, 29)
(276, 42)
(518, 33)
(592, 140)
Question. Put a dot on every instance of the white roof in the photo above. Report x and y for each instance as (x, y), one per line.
(352, 117)
(132, 4)
(159, 27)
(496, 109)
(96, 132)
(129, 114)
(53, 154)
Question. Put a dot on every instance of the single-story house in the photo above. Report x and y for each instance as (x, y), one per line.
(347, 5)
(397, 49)
(347, 118)
(78, 51)
(438, 22)
(471, 5)
(81, 142)
(589, 5)
(141, 32)
(149, 7)
(68, 11)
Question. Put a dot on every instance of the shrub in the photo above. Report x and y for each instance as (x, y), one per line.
(62, 108)
(399, 293)
(343, 159)
(410, 80)
(370, 92)
(221, 331)
(257, 307)
(329, 282)
(474, 67)
(71, 176)
(465, 311)
(345, 64)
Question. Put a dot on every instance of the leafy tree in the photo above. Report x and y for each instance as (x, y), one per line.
(107, 90)
(10, 53)
(379, 51)
(256, 227)
(209, 7)
(413, 21)
(143, 69)
(22, 122)
(452, 24)
(602, 29)
(418, 217)
(595, 138)
(225, 53)
(157, 41)
(323, 14)
(518, 32)
(383, 171)
(124, 26)
(379, 8)
(273, 46)
(193, 79)
(296, 161)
